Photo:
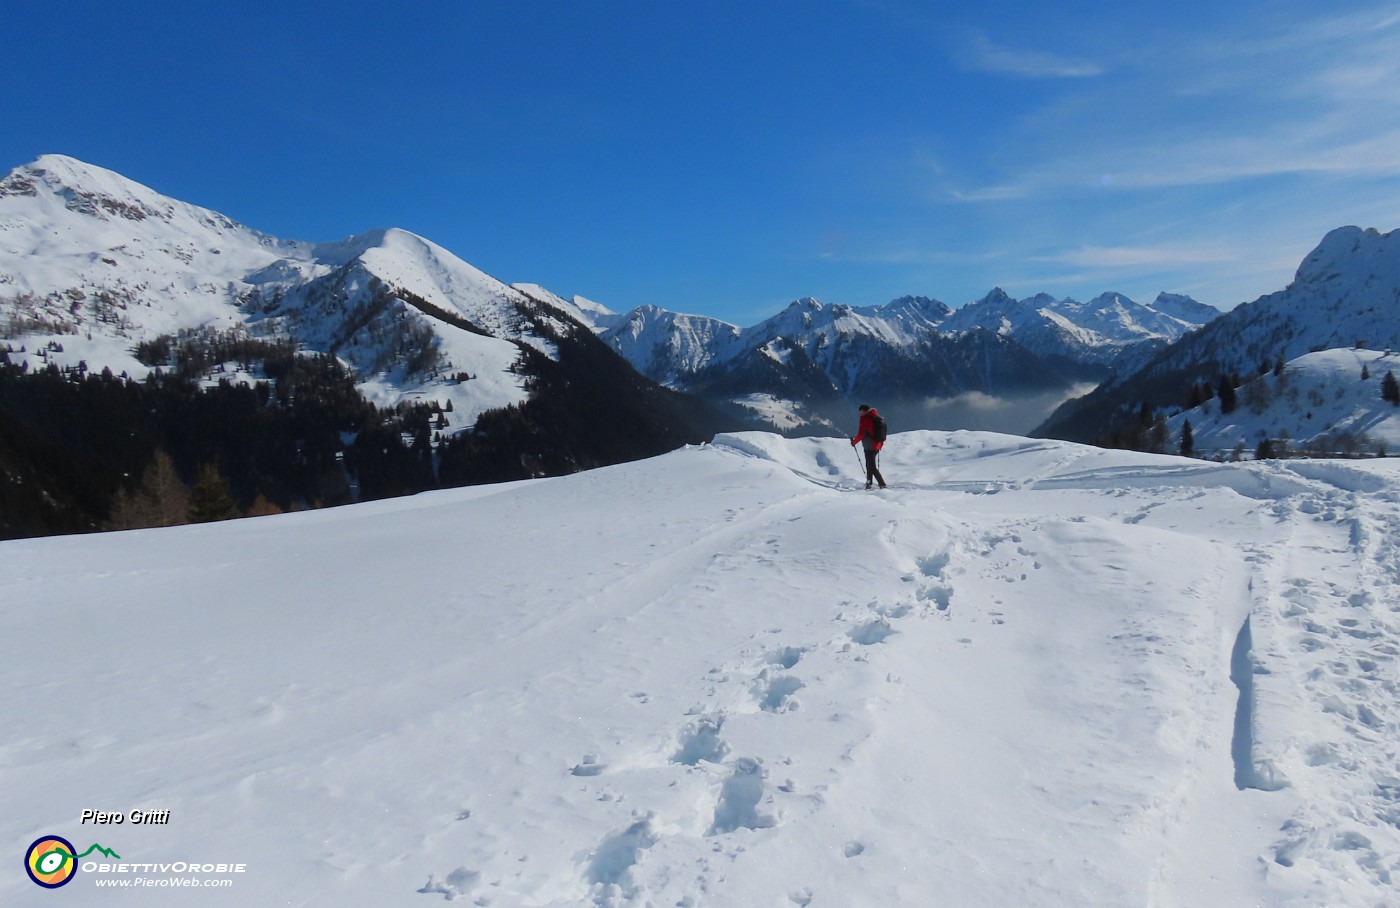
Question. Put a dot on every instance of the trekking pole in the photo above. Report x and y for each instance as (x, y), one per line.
(858, 460)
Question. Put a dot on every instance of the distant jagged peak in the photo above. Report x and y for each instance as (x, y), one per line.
(1175, 305)
(1112, 299)
(1181, 306)
(933, 309)
(996, 297)
(653, 312)
(996, 305)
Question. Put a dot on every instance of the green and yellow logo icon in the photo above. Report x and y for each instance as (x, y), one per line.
(52, 861)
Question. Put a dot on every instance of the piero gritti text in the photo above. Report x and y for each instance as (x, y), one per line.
(134, 817)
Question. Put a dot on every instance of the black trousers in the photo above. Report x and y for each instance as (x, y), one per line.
(871, 470)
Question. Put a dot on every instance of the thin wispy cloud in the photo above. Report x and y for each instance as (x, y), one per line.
(1203, 155)
(1140, 256)
(979, 53)
(1313, 99)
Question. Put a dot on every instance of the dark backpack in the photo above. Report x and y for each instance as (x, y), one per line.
(878, 429)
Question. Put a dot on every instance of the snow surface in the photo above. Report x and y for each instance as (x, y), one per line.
(783, 414)
(1029, 674)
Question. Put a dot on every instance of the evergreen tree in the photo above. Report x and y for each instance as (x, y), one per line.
(1390, 389)
(1365, 372)
(1265, 449)
(210, 499)
(1188, 440)
(1158, 435)
(1226, 393)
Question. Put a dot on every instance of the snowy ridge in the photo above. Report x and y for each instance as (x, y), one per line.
(583, 310)
(1019, 677)
(97, 263)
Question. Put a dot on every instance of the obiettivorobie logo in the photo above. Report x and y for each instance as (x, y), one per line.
(52, 861)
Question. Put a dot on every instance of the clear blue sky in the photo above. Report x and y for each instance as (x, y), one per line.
(726, 157)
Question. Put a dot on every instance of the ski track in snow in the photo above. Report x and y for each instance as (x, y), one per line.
(1020, 677)
(1329, 606)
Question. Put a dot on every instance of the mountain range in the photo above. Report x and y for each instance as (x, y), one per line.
(100, 265)
(809, 363)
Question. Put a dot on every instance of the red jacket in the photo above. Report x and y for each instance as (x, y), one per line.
(867, 427)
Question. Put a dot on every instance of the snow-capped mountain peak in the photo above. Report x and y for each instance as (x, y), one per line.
(86, 188)
(1351, 249)
(55, 183)
(1183, 307)
(104, 263)
(1100, 332)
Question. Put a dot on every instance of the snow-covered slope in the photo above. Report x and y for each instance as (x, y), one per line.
(1031, 674)
(587, 312)
(85, 247)
(1320, 401)
(1346, 290)
(97, 263)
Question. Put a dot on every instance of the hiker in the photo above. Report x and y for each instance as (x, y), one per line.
(871, 431)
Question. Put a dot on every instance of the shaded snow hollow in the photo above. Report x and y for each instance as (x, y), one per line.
(1031, 673)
